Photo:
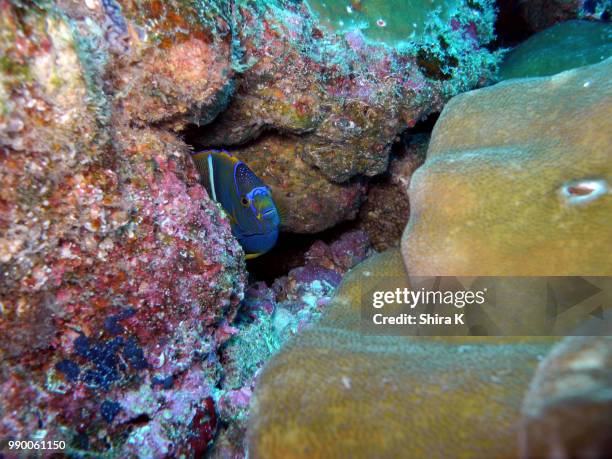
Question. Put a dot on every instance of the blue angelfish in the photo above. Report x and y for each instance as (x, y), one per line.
(247, 201)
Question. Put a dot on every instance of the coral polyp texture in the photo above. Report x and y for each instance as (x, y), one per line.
(500, 142)
(417, 397)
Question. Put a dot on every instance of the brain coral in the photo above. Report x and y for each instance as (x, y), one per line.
(517, 181)
(334, 392)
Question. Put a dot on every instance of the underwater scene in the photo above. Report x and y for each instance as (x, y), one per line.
(306, 229)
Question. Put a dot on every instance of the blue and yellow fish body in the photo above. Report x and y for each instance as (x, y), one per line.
(245, 198)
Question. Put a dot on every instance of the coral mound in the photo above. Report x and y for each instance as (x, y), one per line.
(517, 181)
(335, 392)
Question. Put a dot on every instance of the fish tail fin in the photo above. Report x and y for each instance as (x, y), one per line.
(250, 256)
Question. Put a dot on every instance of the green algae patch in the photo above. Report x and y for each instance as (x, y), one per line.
(562, 47)
(382, 20)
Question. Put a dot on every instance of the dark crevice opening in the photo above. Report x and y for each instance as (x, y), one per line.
(511, 28)
(139, 420)
(289, 251)
(424, 126)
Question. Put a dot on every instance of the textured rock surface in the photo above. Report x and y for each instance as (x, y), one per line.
(546, 183)
(417, 397)
(181, 68)
(268, 317)
(568, 409)
(335, 103)
(117, 271)
(347, 98)
(386, 208)
(562, 47)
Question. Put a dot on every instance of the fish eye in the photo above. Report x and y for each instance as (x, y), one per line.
(244, 201)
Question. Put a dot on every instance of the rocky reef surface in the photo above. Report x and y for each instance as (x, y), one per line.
(129, 326)
(118, 274)
(335, 103)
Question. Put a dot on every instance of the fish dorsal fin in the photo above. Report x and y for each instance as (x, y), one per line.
(227, 155)
(205, 162)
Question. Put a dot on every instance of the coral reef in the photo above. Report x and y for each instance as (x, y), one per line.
(561, 47)
(499, 143)
(485, 203)
(343, 92)
(126, 328)
(342, 98)
(417, 397)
